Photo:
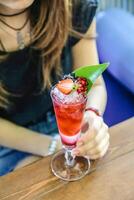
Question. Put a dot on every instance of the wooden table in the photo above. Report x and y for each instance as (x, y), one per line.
(110, 178)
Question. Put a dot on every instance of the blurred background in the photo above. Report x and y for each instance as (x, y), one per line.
(127, 5)
(115, 43)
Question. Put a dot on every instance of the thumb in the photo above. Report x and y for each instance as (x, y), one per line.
(88, 120)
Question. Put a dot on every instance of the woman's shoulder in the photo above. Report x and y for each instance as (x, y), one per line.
(83, 13)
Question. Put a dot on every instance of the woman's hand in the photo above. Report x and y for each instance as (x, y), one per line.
(94, 142)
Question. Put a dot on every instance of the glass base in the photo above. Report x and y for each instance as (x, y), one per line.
(60, 169)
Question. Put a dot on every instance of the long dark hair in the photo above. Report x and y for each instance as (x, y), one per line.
(50, 25)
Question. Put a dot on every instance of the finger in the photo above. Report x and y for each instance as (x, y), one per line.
(98, 123)
(88, 117)
(85, 127)
(93, 139)
(89, 121)
(82, 149)
(102, 133)
(104, 150)
(88, 136)
(100, 147)
(92, 131)
(92, 147)
(97, 156)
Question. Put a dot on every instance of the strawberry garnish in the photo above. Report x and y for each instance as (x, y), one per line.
(66, 86)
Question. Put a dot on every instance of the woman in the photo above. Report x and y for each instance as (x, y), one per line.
(36, 37)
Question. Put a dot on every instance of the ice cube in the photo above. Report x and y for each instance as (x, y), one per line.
(73, 97)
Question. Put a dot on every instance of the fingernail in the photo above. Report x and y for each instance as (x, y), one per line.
(85, 127)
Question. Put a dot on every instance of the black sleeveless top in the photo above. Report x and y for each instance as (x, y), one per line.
(21, 72)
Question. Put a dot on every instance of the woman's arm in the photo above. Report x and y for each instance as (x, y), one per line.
(94, 143)
(85, 53)
(23, 139)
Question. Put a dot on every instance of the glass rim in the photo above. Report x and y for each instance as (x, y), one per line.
(76, 103)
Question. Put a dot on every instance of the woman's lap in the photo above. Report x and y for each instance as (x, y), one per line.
(9, 161)
(10, 158)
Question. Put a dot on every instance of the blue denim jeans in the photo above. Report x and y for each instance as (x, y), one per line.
(9, 158)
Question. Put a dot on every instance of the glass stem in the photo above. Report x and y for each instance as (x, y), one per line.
(70, 160)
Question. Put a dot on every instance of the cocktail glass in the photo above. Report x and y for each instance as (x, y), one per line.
(69, 116)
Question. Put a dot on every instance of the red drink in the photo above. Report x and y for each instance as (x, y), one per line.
(69, 98)
(69, 115)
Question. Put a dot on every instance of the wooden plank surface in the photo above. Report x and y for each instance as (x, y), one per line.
(111, 177)
(107, 183)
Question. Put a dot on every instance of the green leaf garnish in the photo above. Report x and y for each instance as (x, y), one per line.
(91, 73)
